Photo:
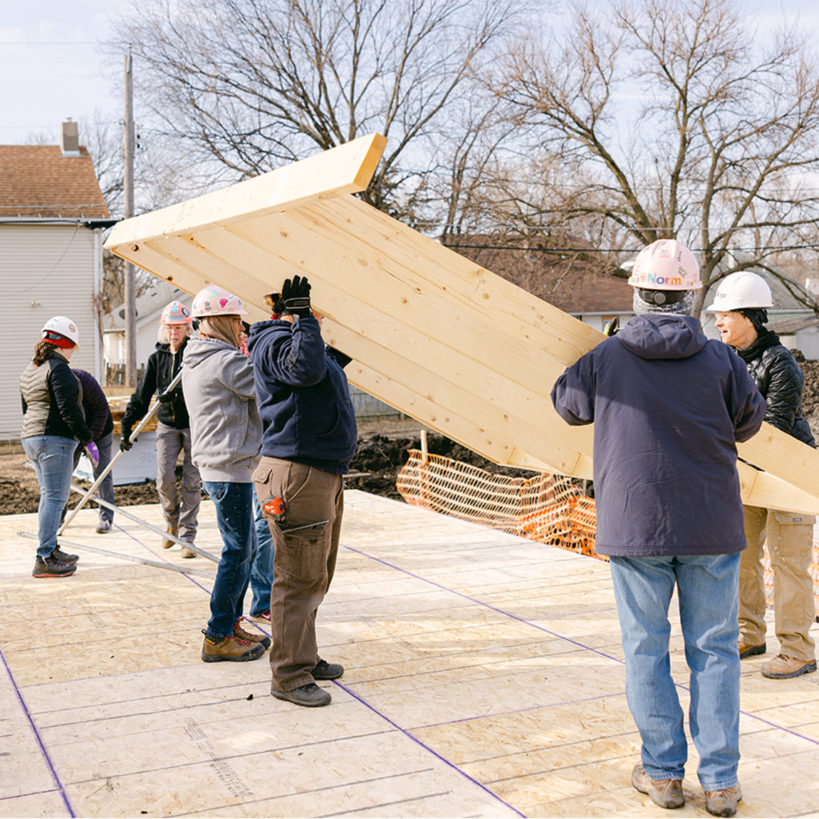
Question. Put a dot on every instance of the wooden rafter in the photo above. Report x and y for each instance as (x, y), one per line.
(430, 332)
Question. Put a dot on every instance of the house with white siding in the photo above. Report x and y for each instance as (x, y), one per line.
(52, 215)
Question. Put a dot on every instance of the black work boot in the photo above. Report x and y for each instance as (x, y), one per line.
(49, 567)
(327, 671)
(309, 695)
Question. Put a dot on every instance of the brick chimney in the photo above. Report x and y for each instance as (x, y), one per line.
(70, 138)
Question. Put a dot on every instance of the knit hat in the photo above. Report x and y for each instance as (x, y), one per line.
(680, 302)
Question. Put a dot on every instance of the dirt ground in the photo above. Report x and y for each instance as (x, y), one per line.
(382, 451)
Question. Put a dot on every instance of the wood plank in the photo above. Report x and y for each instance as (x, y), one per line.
(432, 333)
(346, 169)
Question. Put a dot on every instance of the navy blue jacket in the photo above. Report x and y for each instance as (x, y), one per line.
(94, 405)
(302, 393)
(668, 405)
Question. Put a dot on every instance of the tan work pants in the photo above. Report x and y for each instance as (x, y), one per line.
(306, 545)
(790, 546)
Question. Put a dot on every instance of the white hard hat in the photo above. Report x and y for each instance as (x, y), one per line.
(665, 265)
(175, 313)
(741, 290)
(63, 326)
(216, 301)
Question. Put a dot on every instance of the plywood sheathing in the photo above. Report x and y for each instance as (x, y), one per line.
(483, 677)
(432, 334)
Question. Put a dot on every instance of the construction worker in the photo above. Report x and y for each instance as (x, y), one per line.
(52, 424)
(308, 441)
(740, 306)
(173, 436)
(226, 433)
(101, 423)
(668, 405)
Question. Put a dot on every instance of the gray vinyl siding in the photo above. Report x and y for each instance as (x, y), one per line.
(45, 270)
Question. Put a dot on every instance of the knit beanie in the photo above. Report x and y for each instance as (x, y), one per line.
(758, 316)
(683, 307)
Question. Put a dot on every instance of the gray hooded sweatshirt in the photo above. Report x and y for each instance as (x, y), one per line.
(226, 433)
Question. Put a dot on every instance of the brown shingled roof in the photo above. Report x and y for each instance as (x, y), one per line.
(575, 282)
(38, 181)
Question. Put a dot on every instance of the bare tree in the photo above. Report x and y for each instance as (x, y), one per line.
(252, 84)
(722, 144)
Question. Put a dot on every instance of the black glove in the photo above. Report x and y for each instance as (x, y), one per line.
(165, 397)
(125, 436)
(295, 298)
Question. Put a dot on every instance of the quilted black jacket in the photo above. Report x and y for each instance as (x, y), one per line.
(779, 378)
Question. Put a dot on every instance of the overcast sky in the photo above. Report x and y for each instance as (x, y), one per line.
(52, 65)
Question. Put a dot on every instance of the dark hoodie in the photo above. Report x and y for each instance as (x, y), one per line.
(668, 405)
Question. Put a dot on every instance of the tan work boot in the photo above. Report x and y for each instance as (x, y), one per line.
(783, 667)
(232, 648)
(747, 650)
(667, 793)
(250, 636)
(167, 542)
(188, 552)
(724, 802)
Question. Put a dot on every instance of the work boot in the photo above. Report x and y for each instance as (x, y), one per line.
(309, 695)
(188, 552)
(250, 636)
(232, 648)
(783, 667)
(51, 567)
(724, 802)
(327, 671)
(264, 616)
(667, 793)
(104, 526)
(64, 557)
(747, 650)
(167, 542)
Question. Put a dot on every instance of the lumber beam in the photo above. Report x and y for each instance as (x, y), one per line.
(433, 334)
(345, 169)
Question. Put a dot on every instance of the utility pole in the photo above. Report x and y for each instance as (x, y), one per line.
(130, 275)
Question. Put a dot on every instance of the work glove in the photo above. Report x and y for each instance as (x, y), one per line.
(166, 397)
(125, 437)
(295, 298)
(612, 327)
(93, 453)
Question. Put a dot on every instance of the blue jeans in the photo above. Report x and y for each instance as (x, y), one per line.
(53, 459)
(261, 573)
(707, 588)
(234, 516)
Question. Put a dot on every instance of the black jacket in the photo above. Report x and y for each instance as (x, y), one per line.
(779, 378)
(160, 369)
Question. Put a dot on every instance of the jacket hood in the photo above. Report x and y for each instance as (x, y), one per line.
(199, 349)
(662, 336)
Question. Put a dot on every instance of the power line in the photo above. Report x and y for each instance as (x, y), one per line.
(618, 249)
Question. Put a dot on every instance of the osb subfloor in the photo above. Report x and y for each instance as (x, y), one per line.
(484, 677)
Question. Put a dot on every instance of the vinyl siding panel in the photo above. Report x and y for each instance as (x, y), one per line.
(45, 270)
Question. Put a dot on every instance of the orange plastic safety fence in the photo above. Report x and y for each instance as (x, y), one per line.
(547, 508)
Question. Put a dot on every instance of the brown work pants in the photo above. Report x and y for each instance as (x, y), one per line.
(306, 545)
(790, 547)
